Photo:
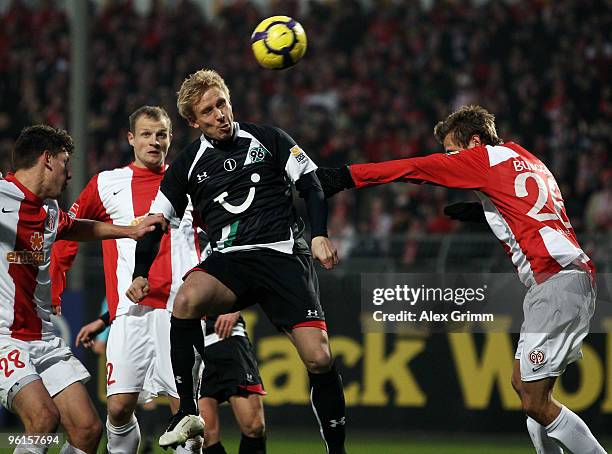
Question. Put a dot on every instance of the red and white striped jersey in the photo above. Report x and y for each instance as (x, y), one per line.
(28, 228)
(521, 199)
(123, 197)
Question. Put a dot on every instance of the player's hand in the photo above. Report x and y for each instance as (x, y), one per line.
(138, 290)
(324, 251)
(466, 212)
(147, 225)
(88, 333)
(57, 309)
(225, 323)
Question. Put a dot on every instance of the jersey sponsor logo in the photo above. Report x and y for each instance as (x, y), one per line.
(229, 164)
(312, 313)
(26, 257)
(118, 191)
(4, 210)
(37, 241)
(537, 357)
(299, 154)
(244, 205)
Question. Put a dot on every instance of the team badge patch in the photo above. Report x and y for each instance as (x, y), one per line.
(537, 357)
(257, 153)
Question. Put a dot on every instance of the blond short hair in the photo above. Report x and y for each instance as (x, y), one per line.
(194, 86)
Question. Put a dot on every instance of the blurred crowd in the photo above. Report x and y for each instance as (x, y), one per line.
(371, 87)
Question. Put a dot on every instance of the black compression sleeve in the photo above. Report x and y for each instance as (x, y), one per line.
(146, 251)
(105, 317)
(316, 204)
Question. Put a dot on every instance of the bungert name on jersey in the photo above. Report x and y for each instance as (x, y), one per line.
(520, 166)
(26, 257)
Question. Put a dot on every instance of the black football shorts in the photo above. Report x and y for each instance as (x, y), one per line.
(230, 369)
(285, 285)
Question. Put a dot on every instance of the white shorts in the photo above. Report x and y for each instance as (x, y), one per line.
(51, 361)
(138, 354)
(557, 315)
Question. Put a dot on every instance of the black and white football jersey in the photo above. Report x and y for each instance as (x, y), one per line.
(240, 188)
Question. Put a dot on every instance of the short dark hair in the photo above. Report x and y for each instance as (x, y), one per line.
(35, 140)
(466, 122)
(154, 112)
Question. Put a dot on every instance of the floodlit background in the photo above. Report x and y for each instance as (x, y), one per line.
(376, 78)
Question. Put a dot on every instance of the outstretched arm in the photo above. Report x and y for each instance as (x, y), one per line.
(86, 230)
(465, 169)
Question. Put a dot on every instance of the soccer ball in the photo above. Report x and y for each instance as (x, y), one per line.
(278, 42)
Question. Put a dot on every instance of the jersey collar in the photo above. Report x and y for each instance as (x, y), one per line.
(29, 195)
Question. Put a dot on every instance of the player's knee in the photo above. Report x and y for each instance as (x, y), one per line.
(119, 414)
(318, 362)
(181, 301)
(211, 435)
(535, 408)
(188, 304)
(44, 419)
(255, 428)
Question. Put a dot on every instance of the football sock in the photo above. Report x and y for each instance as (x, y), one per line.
(571, 431)
(192, 446)
(217, 448)
(250, 445)
(541, 441)
(184, 335)
(327, 398)
(123, 439)
(69, 449)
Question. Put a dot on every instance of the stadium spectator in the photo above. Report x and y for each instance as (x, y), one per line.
(543, 67)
